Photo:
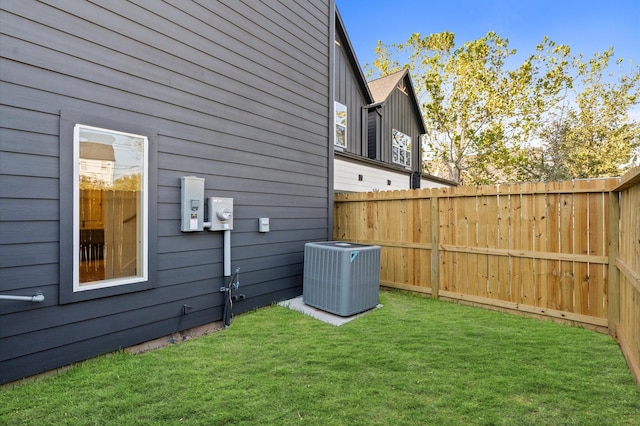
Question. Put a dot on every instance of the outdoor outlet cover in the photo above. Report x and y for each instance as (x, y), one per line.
(263, 224)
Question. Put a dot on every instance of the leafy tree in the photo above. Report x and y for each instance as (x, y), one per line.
(592, 136)
(479, 114)
(487, 123)
(131, 182)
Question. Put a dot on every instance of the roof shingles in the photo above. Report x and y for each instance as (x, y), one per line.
(382, 87)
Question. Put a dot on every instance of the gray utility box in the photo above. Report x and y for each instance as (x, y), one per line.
(341, 278)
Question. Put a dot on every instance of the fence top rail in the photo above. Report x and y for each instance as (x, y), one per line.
(629, 179)
(565, 187)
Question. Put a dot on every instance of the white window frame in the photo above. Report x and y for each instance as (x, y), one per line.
(399, 146)
(143, 275)
(340, 123)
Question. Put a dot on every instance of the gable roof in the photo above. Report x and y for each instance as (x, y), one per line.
(351, 57)
(381, 88)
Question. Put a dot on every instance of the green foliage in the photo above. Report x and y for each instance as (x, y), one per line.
(131, 183)
(488, 122)
(413, 361)
(592, 136)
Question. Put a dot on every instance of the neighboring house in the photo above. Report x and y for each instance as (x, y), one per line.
(352, 97)
(103, 109)
(396, 128)
(395, 124)
(378, 128)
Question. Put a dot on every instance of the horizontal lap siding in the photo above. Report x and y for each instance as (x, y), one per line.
(347, 176)
(238, 94)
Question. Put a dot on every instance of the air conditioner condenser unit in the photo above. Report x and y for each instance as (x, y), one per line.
(341, 278)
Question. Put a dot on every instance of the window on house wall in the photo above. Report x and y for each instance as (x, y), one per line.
(401, 148)
(110, 211)
(340, 125)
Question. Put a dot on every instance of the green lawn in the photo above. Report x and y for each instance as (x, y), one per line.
(415, 361)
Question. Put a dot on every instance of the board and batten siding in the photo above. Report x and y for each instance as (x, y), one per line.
(398, 113)
(348, 93)
(237, 93)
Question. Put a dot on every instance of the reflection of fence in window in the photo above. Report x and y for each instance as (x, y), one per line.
(91, 255)
(123, 235)
(109, 234)
(91, 245)
(110, 251)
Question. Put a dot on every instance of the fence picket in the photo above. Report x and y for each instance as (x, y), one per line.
(504, 225)
(492, 240)
(581, 246)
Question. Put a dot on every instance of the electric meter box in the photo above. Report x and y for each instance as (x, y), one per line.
(192, 203)
(220, 213)
(341, 278)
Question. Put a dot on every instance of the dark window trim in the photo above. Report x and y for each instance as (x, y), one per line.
(68, 119)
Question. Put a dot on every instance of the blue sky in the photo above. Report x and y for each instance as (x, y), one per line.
(587, 26)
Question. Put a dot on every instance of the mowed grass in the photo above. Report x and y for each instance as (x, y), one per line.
(415, 361)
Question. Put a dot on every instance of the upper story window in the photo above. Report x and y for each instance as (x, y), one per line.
(401, 148)
(340, 125)
(110, 209)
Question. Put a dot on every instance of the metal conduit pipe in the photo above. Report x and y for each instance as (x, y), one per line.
(226, 248)
(36, 298)
(227, 253)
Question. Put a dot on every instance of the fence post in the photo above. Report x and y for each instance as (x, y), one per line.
(613, 295)
(435, 245)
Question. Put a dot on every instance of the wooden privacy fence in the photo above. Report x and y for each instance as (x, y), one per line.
(624, 264)
(535, 248)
